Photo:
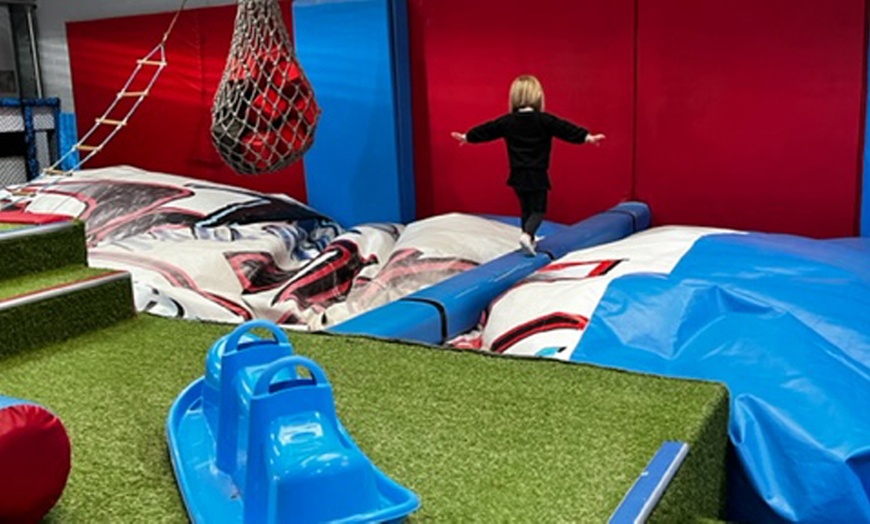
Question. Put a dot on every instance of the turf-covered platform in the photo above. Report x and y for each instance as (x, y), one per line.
(47, 292)
(26, 249)
(479, 438)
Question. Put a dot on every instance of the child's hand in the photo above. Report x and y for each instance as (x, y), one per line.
(460, 137)
(594, 139)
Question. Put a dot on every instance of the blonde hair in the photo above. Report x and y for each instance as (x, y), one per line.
(526, 91)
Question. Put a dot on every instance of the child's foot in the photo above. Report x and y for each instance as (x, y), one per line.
(527, 244)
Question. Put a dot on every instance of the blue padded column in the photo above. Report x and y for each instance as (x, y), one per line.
(355, 52)
(67, 138)
(864, 211)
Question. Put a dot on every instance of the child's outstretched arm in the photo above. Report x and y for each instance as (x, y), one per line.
(565, 130)
(486, 132)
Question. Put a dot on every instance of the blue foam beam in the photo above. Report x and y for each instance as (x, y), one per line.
(454, 305)
(641, 499)
(400, 320)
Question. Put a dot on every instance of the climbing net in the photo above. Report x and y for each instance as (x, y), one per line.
(264, 114)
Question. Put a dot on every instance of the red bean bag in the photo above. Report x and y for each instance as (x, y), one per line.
(34, 461)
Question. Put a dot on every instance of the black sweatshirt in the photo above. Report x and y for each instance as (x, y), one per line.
(529, 136)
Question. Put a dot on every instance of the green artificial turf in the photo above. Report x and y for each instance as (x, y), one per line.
(702, 476)
(480, 439)
(34, 254)
(46, 279)
(61, 317)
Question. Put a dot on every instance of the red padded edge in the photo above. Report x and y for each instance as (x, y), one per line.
(22, 217)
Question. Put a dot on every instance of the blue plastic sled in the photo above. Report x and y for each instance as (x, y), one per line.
(254, 442)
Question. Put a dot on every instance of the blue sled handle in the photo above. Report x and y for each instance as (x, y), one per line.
(234, 340)
(276, 367)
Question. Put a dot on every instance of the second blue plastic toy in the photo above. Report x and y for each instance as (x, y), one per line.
(253, 441)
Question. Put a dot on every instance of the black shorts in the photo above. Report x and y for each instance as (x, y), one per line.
(532, 201)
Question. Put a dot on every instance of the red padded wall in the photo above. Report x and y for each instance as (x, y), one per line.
(464, 56)
(170, 130)
(750, 113)
(741, 113)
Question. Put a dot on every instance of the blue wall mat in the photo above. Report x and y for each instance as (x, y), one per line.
(403, 108)
(67, 137)
(865, 180)
(360, 168)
